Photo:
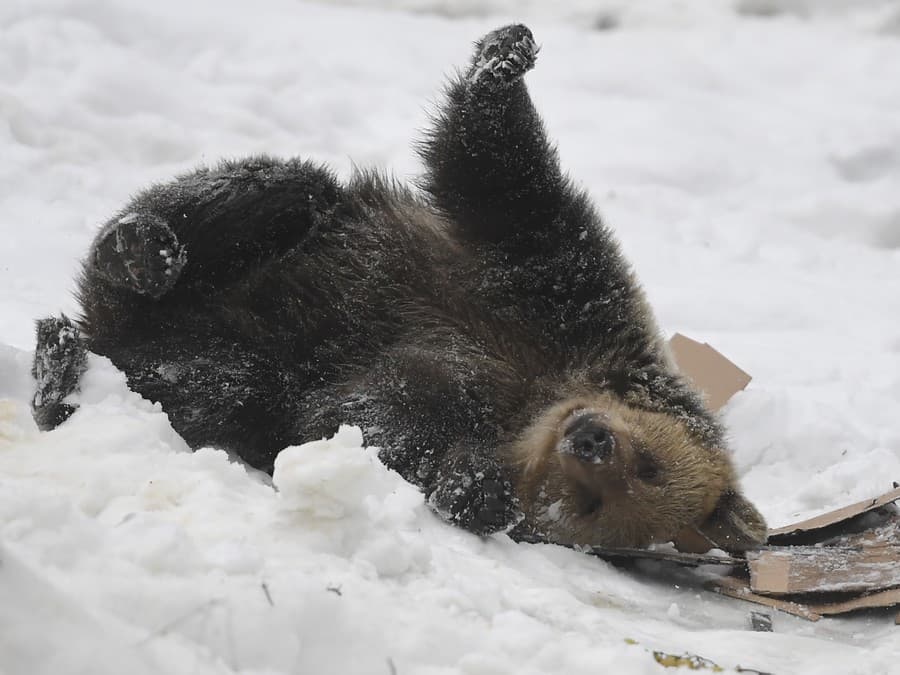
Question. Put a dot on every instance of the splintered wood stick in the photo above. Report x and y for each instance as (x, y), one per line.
(678, 557)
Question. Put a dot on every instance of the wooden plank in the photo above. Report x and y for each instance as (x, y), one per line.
(838, 515)
(855, 563)
(740, 589)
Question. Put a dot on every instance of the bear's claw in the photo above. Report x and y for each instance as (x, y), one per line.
(503, 55)
(142, 253)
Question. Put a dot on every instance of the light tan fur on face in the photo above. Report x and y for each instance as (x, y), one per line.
(617, 502)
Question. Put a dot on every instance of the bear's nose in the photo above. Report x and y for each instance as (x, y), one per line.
(588, 439)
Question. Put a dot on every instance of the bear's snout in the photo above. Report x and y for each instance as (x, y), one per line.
(588, 439)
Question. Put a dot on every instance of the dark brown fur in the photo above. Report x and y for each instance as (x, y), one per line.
(485, 332)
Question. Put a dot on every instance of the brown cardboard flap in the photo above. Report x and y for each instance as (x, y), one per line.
(838, 515)
(841, 561)
(717, 378)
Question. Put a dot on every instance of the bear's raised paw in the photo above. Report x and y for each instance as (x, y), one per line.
(503, 55)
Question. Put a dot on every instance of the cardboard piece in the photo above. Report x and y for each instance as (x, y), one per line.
(842, 572)
(887, 598)
(861, 562)
(717, 378)
(848, 561)
(834, 517)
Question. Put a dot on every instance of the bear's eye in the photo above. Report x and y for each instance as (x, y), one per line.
(647, 469)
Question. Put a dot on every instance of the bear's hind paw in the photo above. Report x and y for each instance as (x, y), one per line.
(140, 252)
(503, 55)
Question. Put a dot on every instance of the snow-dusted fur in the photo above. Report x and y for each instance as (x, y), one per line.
(485, 333)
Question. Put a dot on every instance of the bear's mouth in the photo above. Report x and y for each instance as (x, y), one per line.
(587, 502)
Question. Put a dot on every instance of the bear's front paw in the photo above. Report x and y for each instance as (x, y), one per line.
(60, 358)
(140, 252)
(503, 55)
(476, 496)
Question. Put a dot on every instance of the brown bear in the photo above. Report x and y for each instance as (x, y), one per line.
(483, 330)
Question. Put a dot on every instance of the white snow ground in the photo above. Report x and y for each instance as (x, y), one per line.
(748, 155)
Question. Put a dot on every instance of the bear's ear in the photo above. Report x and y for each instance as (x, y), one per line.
(735, 524)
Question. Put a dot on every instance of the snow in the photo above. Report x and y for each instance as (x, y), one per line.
(746, 153)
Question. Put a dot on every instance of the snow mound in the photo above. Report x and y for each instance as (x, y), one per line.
(339, 489)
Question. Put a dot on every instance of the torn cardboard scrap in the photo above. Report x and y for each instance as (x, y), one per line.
(838, 562)
(862, 562)
(717, 378)
(836, 517)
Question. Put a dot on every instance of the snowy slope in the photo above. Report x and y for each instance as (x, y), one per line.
(748, 160)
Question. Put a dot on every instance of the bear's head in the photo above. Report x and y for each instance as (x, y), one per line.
(595, 471)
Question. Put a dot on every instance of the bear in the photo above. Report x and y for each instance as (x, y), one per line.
(481, 327)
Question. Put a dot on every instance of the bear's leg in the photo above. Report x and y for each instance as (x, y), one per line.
(491, 166)
(206, 228)
(216, 392)
(429, 413)
(489, 162)
(60, 358)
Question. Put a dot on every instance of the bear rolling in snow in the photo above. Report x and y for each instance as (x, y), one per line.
(485, 332)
